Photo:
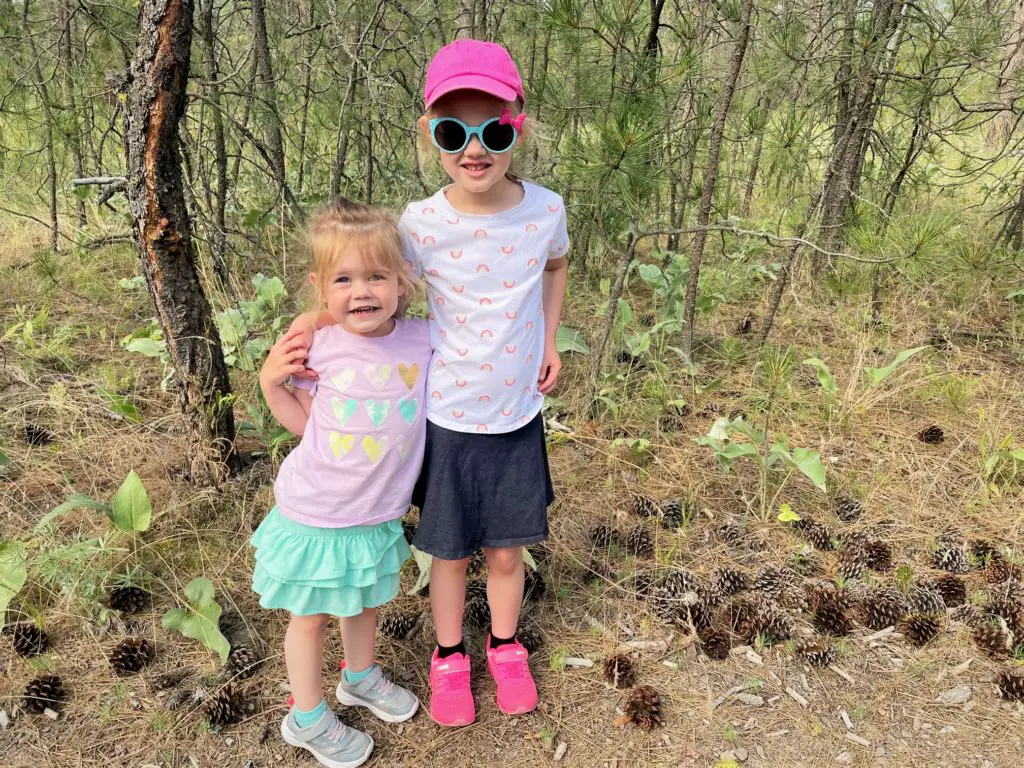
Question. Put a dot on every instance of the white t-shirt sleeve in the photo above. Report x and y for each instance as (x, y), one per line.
(559, 247)
(410, 248)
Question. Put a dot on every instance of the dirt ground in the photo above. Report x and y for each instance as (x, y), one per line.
(880, 705)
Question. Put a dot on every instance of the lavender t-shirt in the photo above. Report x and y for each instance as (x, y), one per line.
(362, 449)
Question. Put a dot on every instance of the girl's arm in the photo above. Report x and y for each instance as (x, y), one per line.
(556, 274)
(290, 408)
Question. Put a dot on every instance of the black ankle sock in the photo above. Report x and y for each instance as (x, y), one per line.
(496, 641)
(443, 651)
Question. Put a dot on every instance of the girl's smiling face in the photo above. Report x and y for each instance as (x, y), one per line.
(363, 298)
(474, 169)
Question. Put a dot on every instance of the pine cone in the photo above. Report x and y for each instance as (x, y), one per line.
(243, 662)
(641, 582)
(167, 680)
(773, 582)
(852, 563)
(920, 628)
(984, 553)
(932, 435)
(643, 707)
(27, 638)
(730, 532)
(639, 543)
(992, 639)
(128, 599)
(599, 568)
(847, 509)
(226, 706)
(131, 655)
(529, 638)
(815, 651)
(478, 612)
(831, 617)
(770, 623)
(603, 536)
(534, 587)
(643, 506)
(38, 436)
(969, 615)
(952, 588)
(923, 599)
(805, 562)
(820, 536)
(715, 644)
(178, 698)
(619, 671)
(728, 581)
(674, 514)
(477, 564)
(878, 556)
(1011, 683)
(952, 558)
(998, 571)
(883, 607)
(45, 691)
(398, 625)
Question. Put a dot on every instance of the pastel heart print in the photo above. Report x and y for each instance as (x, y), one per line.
(343, 379)
(408, 406)
(377, 410)
(403, 447)
(374, 448)
(409, 374)
(344, 409)
(340, 444)
(378, 374)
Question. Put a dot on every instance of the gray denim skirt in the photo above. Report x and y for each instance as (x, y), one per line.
(482, 490)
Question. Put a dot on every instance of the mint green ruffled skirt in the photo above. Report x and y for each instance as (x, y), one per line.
(336, 571)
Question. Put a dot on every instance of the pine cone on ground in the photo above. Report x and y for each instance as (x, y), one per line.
(243, 662)
(45, 691)
(1011, 683)
(932, 435)
(638, 542)
(773, 582)
(847, 509)
(760, 618)
(478, 612)
(673, 514)
(529, 638)
(820, 536)
(408, 530)
(534, 586)
(805, 562)
(920, 628)
(599, 568)
(993, 640)
(641, 582)
(830, 615)
(924, 599)
(643, 707)
(952, 588)
(167, 680)
(998, 571)
(983, 552)
(227, 705)
(131, 655)
(715, 644)
(953, 559)
(398, 625)
(477, 564)
(603, 536)
(815, 651)
(178, 698)
(878, 556)
(729, 581)
(883, 607)
(853, 563)
(643, 506)
(128, 599)
(38, 436)
(27, 638)
(619, 671)
(968, 615)
(730, 532)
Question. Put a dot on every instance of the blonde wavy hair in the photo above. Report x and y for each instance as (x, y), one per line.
(342, 226)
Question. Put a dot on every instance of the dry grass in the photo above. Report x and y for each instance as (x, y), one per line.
(911, 491)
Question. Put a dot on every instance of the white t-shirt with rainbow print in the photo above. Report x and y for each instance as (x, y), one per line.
(484, 276)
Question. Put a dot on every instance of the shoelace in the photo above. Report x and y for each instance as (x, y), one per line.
(515, 667)
(450, 682)
(383, 687)
(336, 731)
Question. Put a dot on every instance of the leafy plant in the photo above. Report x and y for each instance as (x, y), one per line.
(570, 340)
(200, 618)
(13, 572)
(855, 397)
(130, 509)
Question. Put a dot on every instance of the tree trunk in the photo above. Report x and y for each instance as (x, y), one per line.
(714, 152)
(341, 151)
(755, 161)
(44, 100)
(162, 230)
(64, 56)
(609, 316)
(218, 238)
(307, 79)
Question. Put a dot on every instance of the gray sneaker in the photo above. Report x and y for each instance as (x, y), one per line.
(391, 703)
(331, 742)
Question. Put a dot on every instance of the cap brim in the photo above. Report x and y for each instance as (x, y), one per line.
(473, 83)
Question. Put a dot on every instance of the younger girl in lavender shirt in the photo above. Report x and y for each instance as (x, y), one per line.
(333, 545)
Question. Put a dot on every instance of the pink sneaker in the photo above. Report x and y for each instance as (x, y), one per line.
(451, 701)
(517, 693)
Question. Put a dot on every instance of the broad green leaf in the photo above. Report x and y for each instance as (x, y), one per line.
(122, 406)
(878, 375)
(12, 572)
(605, 286)
(825, 378)
(741, 426)
(570, 340)
(75, 501)
(638, 343)
(132, 283)
(131, 509)
(199, 620)
(787, 515)
(156, 348)
(720, 429)
(232, 327)
(423, 561)
(528, 559)
(269, 289)
(4, 460)
(736, 450)
(808, 462)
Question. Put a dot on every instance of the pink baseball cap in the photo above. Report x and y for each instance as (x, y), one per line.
(473, 65)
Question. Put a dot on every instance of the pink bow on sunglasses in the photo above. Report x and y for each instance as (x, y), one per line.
(516, 122)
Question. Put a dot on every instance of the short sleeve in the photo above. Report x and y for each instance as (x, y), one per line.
(559, 245)
(410, 250)
(314, 360)
(307, 385)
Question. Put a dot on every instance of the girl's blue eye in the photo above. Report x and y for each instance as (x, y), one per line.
(341, 279)
(377, 277)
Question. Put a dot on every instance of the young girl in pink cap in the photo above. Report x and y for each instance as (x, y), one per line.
(491, 248)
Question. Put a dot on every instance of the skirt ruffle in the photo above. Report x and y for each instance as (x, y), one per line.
(336, 571)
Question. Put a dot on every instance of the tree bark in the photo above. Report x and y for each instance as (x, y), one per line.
(714, 153)
(218, 237)
(341, 150)
(44, 100)
(162, 229)
(65, 57)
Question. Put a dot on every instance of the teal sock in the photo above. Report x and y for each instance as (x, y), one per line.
(354, 677)
(305, 719)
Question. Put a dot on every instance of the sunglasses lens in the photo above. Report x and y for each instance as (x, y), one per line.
(498, 137)
(449, 135)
